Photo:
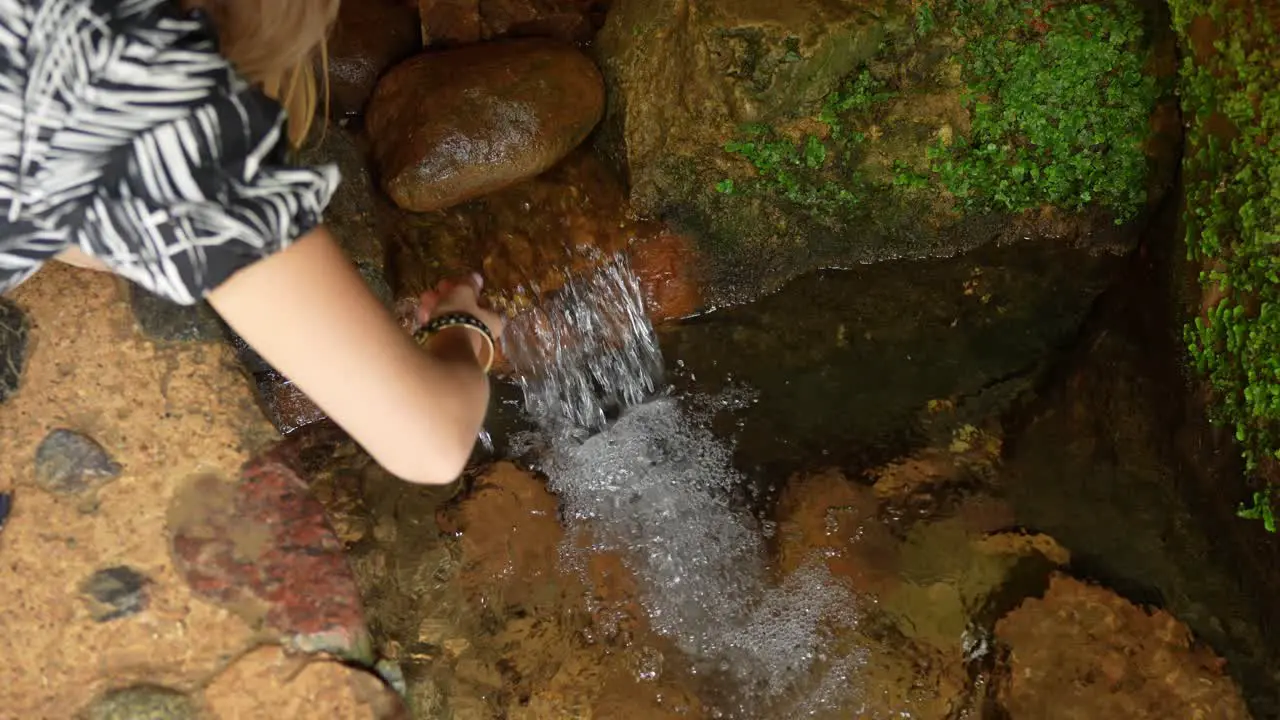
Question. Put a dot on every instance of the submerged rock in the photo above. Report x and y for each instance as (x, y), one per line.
(848, 362)
(261, 547)
(1083, 651)
(68, 462)
(450, 126)
(115, 592)
(829, 516)
(13, 347)
(143, 702)
(809, 133)
(369, 37)
(508, 536)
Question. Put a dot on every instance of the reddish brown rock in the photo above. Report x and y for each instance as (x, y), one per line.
(666, 266)
(270, 683)
(450, 126)
(369, 37)
(1084, 652)
(261, 547)
(565, 20)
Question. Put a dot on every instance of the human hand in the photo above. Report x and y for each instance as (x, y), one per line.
(460, 295)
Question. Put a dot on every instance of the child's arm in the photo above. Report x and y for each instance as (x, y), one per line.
(309, 314)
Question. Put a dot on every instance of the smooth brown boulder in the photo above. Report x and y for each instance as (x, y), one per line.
(447, 127)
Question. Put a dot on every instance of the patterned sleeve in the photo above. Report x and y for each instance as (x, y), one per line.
(141, 146)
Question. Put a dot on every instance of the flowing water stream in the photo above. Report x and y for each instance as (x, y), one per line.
(638, 470)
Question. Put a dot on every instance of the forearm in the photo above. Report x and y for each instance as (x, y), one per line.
(308, 313)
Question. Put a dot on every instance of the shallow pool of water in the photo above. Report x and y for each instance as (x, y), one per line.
(841, 501)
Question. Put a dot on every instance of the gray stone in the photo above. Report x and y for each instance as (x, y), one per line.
(6, 506)
(115, 592)
(166, 321)
(143, 702)
(68, 462)
(13, 347)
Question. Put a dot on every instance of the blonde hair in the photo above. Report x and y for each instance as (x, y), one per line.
(280, 45)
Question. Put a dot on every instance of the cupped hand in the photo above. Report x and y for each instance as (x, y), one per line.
(460, 295)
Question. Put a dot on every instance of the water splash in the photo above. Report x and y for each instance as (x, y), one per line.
(640, 472)
(587, 352)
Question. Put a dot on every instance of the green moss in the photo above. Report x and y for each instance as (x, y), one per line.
(817, 173)
(1059, 110)
(1059, 107)
(1231, 104)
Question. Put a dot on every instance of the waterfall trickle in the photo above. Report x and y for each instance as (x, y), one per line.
(639, 471)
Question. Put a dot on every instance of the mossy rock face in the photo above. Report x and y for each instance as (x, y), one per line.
(833, 133)
(1230, 90)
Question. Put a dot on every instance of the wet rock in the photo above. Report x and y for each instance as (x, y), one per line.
(261, 546)
(115, 592)
(1083, 651)
(447, 23)
(450, 126)
(13, 347)
(930, 482)
(143, 702)
(68, 462)
(666, 266)
(527, 239)
(508, 536)
(284, 404)
(1093, 464)
(269, 682)
(369, 37)
(160, 319)
(565, 20)
(768, 68)
(288, 408)
(842, 375)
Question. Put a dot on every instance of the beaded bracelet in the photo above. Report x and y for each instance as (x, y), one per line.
(462, 320)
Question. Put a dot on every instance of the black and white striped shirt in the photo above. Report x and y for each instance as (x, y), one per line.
(124, 132)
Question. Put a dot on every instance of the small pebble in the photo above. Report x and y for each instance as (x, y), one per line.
(115, 592)
(68, 462)
(143, 702)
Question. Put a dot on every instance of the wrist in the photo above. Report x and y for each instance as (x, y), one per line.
(479, 340)
(453, 344)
